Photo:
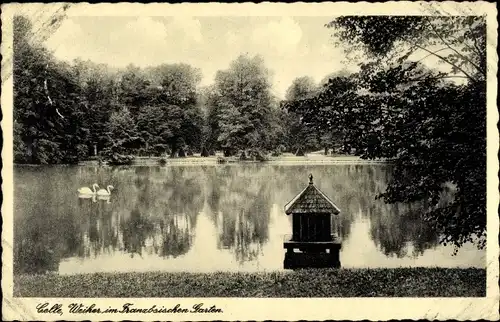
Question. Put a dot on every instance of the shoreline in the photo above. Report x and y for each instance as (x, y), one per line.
(213, 160)
(363, 282)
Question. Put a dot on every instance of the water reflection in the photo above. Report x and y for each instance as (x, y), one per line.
(395, 228)
(240, 208)
(182, 218)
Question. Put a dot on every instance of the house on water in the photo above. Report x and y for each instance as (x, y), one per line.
(311, 243)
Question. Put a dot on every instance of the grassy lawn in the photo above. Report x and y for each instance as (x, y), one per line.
(399, 282)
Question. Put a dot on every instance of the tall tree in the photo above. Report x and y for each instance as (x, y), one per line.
(213, 115)
(301, 135)
(301, 88)
(179, 83)
(98, 88)
(434, 130)
(243, 94)
(153, 129)
(122, 135)
(178, 96)
(47, 121)
(132, 88)
(30, 100)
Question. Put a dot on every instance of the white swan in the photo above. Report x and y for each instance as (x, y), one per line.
(104, 192)
(87, 191)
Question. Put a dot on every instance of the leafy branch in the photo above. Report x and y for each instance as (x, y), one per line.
(446, 61)
(453, 49)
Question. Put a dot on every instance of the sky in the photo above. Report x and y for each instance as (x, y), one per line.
(290, 46)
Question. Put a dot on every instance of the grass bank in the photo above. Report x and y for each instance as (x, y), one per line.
(399, 282)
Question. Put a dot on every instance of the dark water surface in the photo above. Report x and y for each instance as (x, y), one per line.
(209, 218)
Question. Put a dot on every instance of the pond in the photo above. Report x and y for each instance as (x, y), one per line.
(210, 218)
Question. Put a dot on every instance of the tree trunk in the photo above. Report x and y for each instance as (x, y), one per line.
(173, 150)
(31, 150)
(204, 152)
(182, 153)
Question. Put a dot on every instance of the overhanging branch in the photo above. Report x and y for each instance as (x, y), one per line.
(447, 61)
(453, 49)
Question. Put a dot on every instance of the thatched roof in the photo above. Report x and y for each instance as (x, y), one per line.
(311, 201)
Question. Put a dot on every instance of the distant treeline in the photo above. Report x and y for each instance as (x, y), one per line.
(69, 112)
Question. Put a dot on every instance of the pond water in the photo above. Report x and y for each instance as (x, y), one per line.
(209, 218)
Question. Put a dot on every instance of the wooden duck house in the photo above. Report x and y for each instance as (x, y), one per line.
(311, 243)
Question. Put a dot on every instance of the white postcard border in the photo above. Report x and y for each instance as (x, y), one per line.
(267, 309)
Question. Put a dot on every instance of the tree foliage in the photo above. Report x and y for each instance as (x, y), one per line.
(242, 103)
(47, 127)
(70, 112)
(432, 128)
(301, 135)
(456, 41)
(401, 107)
(64, 112)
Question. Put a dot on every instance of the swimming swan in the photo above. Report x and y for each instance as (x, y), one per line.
(87, 191)
(104, 192)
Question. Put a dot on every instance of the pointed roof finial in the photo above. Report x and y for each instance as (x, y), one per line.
(311, 179)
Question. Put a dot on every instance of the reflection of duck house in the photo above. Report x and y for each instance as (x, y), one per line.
(312, 243)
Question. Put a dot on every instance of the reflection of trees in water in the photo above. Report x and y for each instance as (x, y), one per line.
(180, 201)
(183, 193)
(176, 236)
(395, 227)
(98, 232)
(51, 223)
(216, 179)
(165, 203)
(252, 226)
(353, 188)
(240, 202)
(36, 252)
(100, 229)
(240, 198)
(45, 229)
(136, 229)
